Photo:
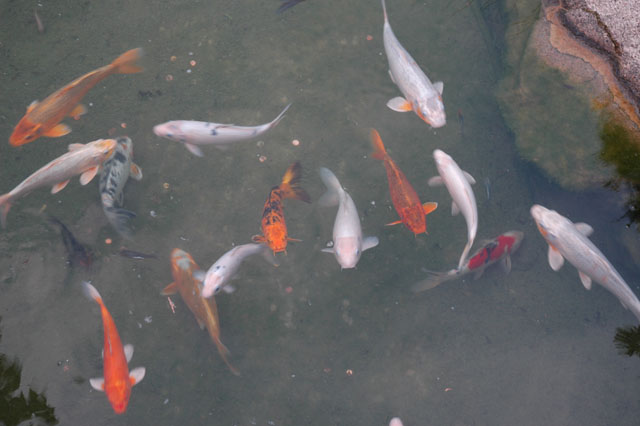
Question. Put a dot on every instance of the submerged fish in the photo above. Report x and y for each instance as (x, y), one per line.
(76, 252)
(195, 133)
(348, 243)
(117, 380)
(131, 254)
(219, 274)
(405, 199)
(82, 159)
(43, 118)
(498, 249)
(205, 310)
(420, 95)
(274, 227)
(287, 4)
(458, 183)
(113, 177)
(568, 240)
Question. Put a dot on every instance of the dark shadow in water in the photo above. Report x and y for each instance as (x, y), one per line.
(16, 408)
(627, 340)
(621, 149)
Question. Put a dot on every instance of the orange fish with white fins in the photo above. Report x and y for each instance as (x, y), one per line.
(274, 228)
(118, 380)
(405, 199)
(205, 310)
(44, 118)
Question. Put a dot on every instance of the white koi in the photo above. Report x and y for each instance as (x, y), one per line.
(195, 133)
(348, 243)
(568, 240)
(227, 265)
(115, 172)
(420, 95)
(82, 159)
(458, 183)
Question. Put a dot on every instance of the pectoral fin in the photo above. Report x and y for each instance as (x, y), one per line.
(400, 104)
(228, 288)
(57, 131)
(455, 210)
(97, 383)
(429, 207)
(328, 250)
(397, 222)
(584, 228)
(369, 242)
(555, 259)
(128, 351)
(506, 264)
(470, 178)
(258, 239)
(74, 146)
(78, 111)
(436, 181)
(586, 280)
(88, 174)
(170, 289)
(135, 171)
(439, 86)
(194, 149)
(136, 375)
(31, 106)
(59, 186)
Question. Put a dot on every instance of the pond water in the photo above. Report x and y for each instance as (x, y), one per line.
(315, 345)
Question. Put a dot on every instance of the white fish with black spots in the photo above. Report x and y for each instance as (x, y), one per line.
(195, 133)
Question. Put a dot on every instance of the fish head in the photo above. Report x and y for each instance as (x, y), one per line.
(182, 261)
(25, 132)
(443, 160)
(104, 148)
(348, 251)
(549, 222)
(125, 144)
(170, 130)
(213, 280)
(118, 392)
(431, 110)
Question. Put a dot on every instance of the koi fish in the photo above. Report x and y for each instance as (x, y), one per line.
(287, 4)
(225, 268)
(405, 199)
(76, 252)
(131, 254)
(274, 228)
(568, 240)
(113, 177)
(420, 95)
(195, 133)
(82, 159)
(117, 380)
(205, 310)
(348, 243)
(497, 250)
(395, 422)
(43, 118)
(458, 184)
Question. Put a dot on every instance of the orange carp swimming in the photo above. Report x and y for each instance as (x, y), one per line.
(274, 228)
(43, 118)
(205, 310)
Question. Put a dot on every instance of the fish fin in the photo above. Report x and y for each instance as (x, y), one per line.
(290, 185)
(334, 189)
(439, 86)
(91, 292)
(136, 375)
(369, 242)
(228, 288)
(397, 222)
(135, 171)
(269, 257)
(295, 240)
(555, 258)
(57, 131)
(170, 289)
(584, 228)
(429, 207)
(478, 273)
(194, 149)
(74, 146)
(506, 264)
(119, 219)
(200, 275)
(379, 152)
(586, 280)
(126, 63)
(328, 250)
(59, 186)
(97, 383)
(78, 111)
(224, 352)
(470, 178)
(200, 323)
(465, 253)
(88, 174)
(276, 120)
(455, 210)
(5, 205)
(391, 76)
(128, 351)
(436, 181)
(120, 199)
(32, 105)
(433, 279)
(258, 239)
(400, 104)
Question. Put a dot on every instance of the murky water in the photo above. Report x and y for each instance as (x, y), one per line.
(529, 348)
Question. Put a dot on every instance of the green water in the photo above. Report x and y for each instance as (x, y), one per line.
(529, 348)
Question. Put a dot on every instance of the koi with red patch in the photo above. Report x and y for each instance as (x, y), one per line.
(404, 198)
(274, 227)
(118, 380)
(498, 249)
(43, 118)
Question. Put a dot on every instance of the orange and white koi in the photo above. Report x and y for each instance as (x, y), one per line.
(274, 228)
(404, 198)
(43, 118)
(82, 159)
(205, 310)
(117, 380)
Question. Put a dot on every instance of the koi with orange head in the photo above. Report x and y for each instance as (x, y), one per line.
(405, 199)
(274, 227)
(43, 118)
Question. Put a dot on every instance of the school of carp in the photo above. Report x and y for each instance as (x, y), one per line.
(112, 161)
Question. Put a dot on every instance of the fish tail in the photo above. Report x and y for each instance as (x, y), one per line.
(434, 279)
(379, 153)
(280, 116)
(290, 186)
(119, 219)
(224, 352)
(91, 292)
(334, 189)
(384, 11)
(5, 205)
(126, 63)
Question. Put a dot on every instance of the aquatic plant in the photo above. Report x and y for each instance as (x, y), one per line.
(627, 340)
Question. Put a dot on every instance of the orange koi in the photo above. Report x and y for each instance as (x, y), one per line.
(274, 228)
(205, 310)
(404, 198)
(118, 380)
(43, 118)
